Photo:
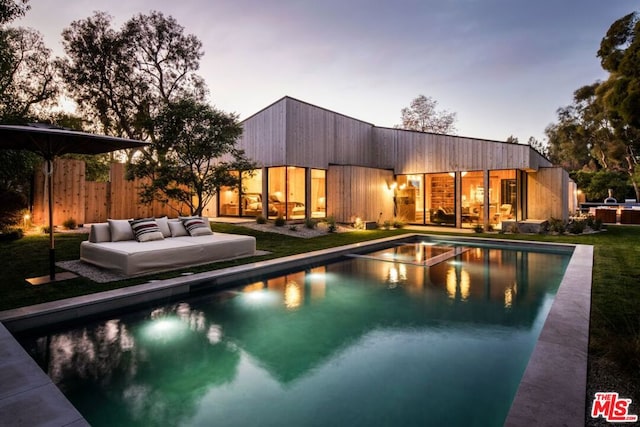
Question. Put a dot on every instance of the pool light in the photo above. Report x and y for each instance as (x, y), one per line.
(164, 329)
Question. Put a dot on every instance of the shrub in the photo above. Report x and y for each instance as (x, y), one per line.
(556, 226)
(358, 224)
(260, 219)
(11, 234)
(478, 228)
(597, 225)
(12, 206)
(293, 227)
(593, 223)
(576, 227)
(70, 224)
(387, 224)
(279, 222)
(331, 224)
(398, 224)
(310, 223)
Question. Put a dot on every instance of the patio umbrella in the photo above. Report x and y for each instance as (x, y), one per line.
(50, 141)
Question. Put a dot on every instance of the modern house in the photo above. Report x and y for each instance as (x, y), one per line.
(317, 163)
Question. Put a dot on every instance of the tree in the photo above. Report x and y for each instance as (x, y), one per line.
(601, 129)
(422, 116)
(512, 139)
(10, 10)
(539, 146)
(596, 184)
(121, 79)
(27, 78)
(193, 157)
(28, 83)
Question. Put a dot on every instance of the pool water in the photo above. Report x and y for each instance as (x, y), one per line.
(358, 342)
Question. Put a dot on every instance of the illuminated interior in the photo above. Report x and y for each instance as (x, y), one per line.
(425, 199)
(318, 193)
(251, 193)
(503, 197)
(229, 200)
(286, 195)
(431, 198)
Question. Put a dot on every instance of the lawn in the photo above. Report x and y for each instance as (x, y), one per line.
(614, 348)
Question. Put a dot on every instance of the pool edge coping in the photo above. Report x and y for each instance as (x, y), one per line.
(545, 395)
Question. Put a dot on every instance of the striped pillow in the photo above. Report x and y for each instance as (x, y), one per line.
(196, 226)
(146, 229)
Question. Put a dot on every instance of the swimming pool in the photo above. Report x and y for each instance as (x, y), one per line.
(376, 340)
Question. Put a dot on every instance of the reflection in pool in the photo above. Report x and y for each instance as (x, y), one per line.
(355, 342)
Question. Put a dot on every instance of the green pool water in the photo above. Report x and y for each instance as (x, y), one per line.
(382, 340)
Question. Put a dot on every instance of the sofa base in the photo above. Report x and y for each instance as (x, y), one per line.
(133, 258)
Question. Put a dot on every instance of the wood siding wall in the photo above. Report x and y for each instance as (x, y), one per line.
(547, 194)
(417, 152)
(355, 191)
(294, 133)
(89, 202)
(263, 137)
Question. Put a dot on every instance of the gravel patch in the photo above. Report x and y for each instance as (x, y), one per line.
(300, 230)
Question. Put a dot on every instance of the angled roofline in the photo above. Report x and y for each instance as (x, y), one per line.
(263, 109)
(390, 128)
(309, 104)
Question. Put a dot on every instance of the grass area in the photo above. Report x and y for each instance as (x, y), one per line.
(28, 257)
(615, 313)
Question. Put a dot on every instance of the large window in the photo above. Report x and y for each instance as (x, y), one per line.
(472, 202)
(409, 198)
(251, 193)
(425, 199)
(440, 199)
(504, 196)
(318, 193)
(287, 192)
(229, 200)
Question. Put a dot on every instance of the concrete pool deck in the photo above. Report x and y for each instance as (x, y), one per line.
(552, 391)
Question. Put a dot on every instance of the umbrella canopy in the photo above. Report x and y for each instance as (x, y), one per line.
(50, 141)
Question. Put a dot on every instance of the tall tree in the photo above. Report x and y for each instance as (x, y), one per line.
(422, 115)
(28, 83)
(194, 155)
(539, 146)
(512, 139)
(27, 87)
(121, 78)
(10, 10)
(602, 126)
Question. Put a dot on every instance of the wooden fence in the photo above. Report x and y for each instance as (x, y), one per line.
(89, 202)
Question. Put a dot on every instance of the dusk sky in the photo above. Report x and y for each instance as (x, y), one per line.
(504, 66)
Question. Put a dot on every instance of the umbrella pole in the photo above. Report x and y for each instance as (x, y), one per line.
(52, 246)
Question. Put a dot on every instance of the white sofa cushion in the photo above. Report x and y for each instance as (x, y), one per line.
(120, 230)
(163, 225)
(177, 229)
(100, 233)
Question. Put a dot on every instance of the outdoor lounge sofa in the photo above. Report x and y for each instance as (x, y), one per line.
(119, 246)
